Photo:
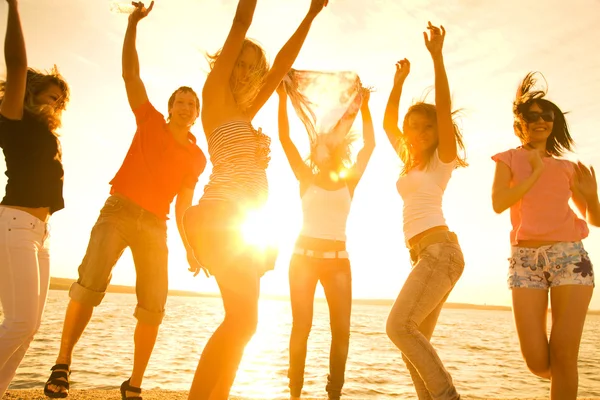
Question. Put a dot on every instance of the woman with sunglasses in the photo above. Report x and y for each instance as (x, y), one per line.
(547, 253)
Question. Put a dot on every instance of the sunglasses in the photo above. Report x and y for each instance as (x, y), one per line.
(534, 116)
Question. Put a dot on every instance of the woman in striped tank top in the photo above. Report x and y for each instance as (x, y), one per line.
(238, 85)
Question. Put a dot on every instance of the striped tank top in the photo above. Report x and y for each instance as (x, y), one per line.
(240, 156)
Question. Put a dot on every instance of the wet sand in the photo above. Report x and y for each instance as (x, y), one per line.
(158, 394)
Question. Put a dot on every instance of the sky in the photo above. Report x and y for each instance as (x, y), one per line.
(490, 45)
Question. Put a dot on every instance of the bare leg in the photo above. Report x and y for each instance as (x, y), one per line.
(569, 307)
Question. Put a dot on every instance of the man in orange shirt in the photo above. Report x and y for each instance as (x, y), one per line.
(162, 162)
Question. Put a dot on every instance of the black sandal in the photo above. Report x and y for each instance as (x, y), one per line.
(126, 387)
(56, 379)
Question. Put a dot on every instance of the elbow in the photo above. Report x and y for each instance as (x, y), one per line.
(498, 208)
(242, 21)
(389, 126)
(15, 65)
(129, 76)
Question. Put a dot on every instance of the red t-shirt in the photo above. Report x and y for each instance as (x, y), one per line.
(156, 167)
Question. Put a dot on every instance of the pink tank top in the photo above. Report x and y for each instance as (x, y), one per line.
(543, 213)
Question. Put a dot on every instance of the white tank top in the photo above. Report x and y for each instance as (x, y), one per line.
(422, 192)
(325, 213)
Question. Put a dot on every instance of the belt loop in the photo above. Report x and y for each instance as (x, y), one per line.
(2, 210)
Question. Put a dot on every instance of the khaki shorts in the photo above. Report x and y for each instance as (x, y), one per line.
(122, 224)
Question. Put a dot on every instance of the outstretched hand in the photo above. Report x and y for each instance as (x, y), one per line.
(140, 11)
(585, 181)
(316, 6)
(435, 41)
(402, 71)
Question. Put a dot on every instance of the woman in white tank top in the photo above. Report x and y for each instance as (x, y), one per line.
(320, 253)
(428, 147)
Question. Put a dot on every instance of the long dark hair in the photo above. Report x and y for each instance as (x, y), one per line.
(560, 140)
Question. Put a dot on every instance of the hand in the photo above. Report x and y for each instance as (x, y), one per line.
(140, 11)
(435, 41)
(195, 266)
(366, 95)
(535, 160)
(316, 6)
(402, 71)
(585, 182)
(281, 90)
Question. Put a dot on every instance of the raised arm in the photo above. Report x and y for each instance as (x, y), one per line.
(446, 134)
(503, 195)
(16, 65)
(286, 57)
(364, 155)
(218, 78)
(136, 91)
(299, 167)
(585, 193)
(390, 117)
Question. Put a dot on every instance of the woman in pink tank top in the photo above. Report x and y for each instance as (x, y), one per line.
(547, 253)
(326, 189)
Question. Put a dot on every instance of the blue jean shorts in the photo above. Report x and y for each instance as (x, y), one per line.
(563, 263)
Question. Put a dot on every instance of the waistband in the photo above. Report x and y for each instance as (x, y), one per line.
(432, 238)
(134, 208)
(7, 213)
(320, 254)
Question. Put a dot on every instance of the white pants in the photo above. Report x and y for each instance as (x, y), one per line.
(24, 280)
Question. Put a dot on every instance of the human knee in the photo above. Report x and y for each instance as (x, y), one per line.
(22, 328)
(244, 326)
(399, 328)
(340, 331)
(563, 358)
(301, 328)
(538, 366)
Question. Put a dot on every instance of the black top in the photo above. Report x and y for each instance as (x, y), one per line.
(33, 164)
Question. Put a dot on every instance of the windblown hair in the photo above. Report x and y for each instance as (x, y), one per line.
(405, 148)
(339, 153)
(244, 94)
(184, 89)
(37, 82)
(331, 147)
(560, 140)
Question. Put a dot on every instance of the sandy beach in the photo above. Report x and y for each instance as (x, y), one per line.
(156, 394)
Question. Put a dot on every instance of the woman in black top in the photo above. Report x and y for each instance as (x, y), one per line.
(31, 103)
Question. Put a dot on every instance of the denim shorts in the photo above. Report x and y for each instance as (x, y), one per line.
(121, 224)
(564, 263)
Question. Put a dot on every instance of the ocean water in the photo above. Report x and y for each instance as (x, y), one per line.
(479, 348)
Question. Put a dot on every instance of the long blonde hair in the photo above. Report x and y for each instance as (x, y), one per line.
(405, 149)
(36, 83)
(244, 95)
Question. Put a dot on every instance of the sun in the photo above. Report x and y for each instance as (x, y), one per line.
(259, 229)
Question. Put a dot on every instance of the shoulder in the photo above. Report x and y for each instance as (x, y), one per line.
(437, 164)
(146, 112)
(509, 156)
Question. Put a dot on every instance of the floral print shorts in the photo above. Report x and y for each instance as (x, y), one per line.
(564, 263)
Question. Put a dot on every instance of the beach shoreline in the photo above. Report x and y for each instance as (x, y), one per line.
(159, 394)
